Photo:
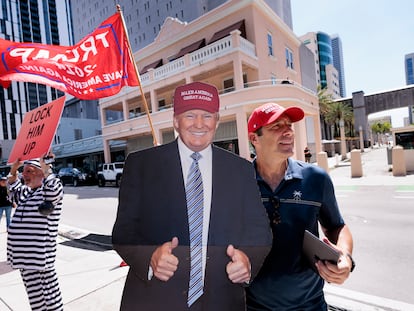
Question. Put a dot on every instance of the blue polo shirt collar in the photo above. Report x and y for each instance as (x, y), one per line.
(293, 170)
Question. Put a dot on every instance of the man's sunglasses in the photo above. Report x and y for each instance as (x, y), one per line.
(275, 215)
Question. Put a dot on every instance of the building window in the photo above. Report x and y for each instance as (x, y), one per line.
(289, 58)
(405, 140)
(161, 104)
(78, 134)
(273, 79)
(270, 44)
(135, 112)
(245, 83)
(228, 85)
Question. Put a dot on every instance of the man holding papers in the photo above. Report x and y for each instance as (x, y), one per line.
(298, 196)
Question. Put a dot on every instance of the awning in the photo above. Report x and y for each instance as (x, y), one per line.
(153, 65)
(191, 48)
(226, 31)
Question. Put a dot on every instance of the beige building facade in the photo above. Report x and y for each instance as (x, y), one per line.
(244, 49)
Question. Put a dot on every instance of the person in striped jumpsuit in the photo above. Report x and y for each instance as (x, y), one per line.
(31, 242)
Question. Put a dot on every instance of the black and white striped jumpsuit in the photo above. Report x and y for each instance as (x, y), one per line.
(31, 242)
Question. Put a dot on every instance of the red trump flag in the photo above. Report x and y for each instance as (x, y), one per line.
(98, 66)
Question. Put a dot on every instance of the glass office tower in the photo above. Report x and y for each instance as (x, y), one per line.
(41, 21)
(338, 62)
(325, 55)
(409, 68)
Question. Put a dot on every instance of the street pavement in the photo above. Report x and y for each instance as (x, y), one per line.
(91, 274)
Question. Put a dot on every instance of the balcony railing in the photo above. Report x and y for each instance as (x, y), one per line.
(200, 56)
(167, 70)
(86, 145)
(217, 49)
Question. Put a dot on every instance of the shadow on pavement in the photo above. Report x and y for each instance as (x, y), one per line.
(5, 267)
(89, 192)
(92, 241)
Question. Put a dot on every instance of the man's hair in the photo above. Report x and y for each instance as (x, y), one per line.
(259, 132)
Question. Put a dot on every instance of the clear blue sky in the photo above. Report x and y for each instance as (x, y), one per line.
(375, 35)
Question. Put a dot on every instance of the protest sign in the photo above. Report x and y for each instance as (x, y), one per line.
(37, 131)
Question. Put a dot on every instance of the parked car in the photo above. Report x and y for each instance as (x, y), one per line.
(110, 172)
(74, 176)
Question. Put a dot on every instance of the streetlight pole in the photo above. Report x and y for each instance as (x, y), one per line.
(343, 144)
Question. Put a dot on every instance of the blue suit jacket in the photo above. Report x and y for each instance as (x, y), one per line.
(152, 210)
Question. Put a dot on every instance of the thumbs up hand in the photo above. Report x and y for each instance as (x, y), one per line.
(239, 268)
(163, 262)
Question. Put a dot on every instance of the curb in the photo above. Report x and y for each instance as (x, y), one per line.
(357, 301)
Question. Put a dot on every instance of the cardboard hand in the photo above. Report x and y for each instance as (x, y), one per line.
(239, 268)
(163, 262)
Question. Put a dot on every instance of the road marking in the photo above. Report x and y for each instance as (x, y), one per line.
(403, 197)
(346, 188)
(405, 188)
(344, 191)
(342, 195)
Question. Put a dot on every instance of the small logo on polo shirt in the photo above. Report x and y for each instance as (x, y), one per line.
(297, 195)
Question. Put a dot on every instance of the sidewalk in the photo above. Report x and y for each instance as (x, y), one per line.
(89, 275)
(91, 278)
(375, 170)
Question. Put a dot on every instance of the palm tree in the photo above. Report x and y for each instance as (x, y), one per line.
(338, 111)
(335, 114)
(380, 128)
(325, 100)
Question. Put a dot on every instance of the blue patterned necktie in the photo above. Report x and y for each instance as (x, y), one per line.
(194, 195)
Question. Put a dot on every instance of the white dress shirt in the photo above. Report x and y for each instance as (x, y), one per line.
(205, 165)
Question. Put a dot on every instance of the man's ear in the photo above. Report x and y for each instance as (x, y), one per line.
(252, 138)
(175, 122)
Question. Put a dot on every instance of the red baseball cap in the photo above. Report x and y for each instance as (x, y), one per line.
(269, 113)
(196, 95)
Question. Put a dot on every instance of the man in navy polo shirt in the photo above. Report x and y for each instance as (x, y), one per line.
(297, 196)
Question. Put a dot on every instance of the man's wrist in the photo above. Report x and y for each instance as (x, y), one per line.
(352, 261)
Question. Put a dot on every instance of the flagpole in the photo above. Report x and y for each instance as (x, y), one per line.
(131, 56)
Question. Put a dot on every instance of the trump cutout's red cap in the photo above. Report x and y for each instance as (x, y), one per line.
(196, 95)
